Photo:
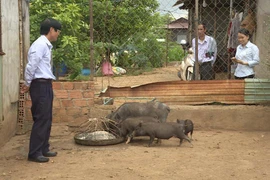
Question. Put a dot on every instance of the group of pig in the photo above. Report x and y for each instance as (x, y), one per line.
(149, 119)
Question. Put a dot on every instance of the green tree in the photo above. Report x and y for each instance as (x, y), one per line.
(72, 47)
(117, 24)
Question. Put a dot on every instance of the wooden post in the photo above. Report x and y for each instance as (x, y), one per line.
(92, 68)
(190, 25)
(196, 40)
(1, 50)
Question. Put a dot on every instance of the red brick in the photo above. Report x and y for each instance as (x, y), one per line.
(88, 94)
(91, 102)
(28, 103)
(80, 85)
(56, 103)
(61, 94)
(68, 85)
(85, 110)
(57, 85)
(68, 119)
(59, 112)
(28, 115)
(80, 103)
(75, 112)
(56, 119)
(76, 94)
(67, 103)
(55, 111)
(91, 85)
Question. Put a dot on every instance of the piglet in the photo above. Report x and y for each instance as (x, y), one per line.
(163, 131)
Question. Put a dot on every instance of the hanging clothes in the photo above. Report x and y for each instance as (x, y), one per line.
(233, 32)
(107, 68)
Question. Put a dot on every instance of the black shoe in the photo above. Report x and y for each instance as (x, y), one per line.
(50, 154)
(40, 159)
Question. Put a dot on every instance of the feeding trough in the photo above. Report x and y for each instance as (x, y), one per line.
(98, 132)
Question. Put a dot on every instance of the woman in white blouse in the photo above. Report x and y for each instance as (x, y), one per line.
(247, 56)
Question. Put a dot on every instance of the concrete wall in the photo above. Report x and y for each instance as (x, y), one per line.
(10, 68)
(263, 38)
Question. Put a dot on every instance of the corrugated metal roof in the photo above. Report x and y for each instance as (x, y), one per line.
(189, 4)
(180, 23)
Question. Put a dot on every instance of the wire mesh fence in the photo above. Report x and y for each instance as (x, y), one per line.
(139, 42)
(164, 33)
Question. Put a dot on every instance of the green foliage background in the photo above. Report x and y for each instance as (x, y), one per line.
(119, 26)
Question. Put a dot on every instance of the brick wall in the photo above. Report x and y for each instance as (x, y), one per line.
(72, 100)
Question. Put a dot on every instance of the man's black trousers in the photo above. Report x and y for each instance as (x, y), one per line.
(41, 94)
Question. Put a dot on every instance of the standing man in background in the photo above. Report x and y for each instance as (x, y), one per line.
(207, 53)
(38, 80)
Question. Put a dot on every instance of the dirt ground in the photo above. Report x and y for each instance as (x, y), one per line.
(231, 152)
(216, 154)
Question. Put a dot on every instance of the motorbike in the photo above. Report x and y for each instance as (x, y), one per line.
(185, 71)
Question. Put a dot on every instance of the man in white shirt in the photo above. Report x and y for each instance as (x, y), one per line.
(38, 80)
(207, 53)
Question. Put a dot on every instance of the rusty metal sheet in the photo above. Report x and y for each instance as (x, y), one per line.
(184, 92)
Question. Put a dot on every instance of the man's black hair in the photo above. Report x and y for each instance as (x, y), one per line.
(203, 24)
(47, 24)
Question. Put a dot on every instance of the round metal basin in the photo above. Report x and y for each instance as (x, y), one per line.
(97, 138)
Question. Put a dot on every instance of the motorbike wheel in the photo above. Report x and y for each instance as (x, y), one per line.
(189, 75)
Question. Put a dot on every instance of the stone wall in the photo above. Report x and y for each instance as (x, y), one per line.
(72, 101)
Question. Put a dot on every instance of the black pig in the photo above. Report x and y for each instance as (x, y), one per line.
(128, 126)
(135, 109)
(188, 126)
(163, 131)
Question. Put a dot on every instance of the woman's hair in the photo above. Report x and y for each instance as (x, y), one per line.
(244, 31)
(47, 24)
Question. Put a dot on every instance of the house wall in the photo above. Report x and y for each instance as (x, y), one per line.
(10, 64)
(263, 39)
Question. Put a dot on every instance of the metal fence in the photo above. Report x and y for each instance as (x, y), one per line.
(155, 40)
(139, 42)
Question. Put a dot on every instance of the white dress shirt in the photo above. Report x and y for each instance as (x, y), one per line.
(39, 61)
(208, 44)
(250, 54)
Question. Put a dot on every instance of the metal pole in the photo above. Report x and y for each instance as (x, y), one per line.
(91, 41)
(196, 40)
(167, 43)
(231, 8)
